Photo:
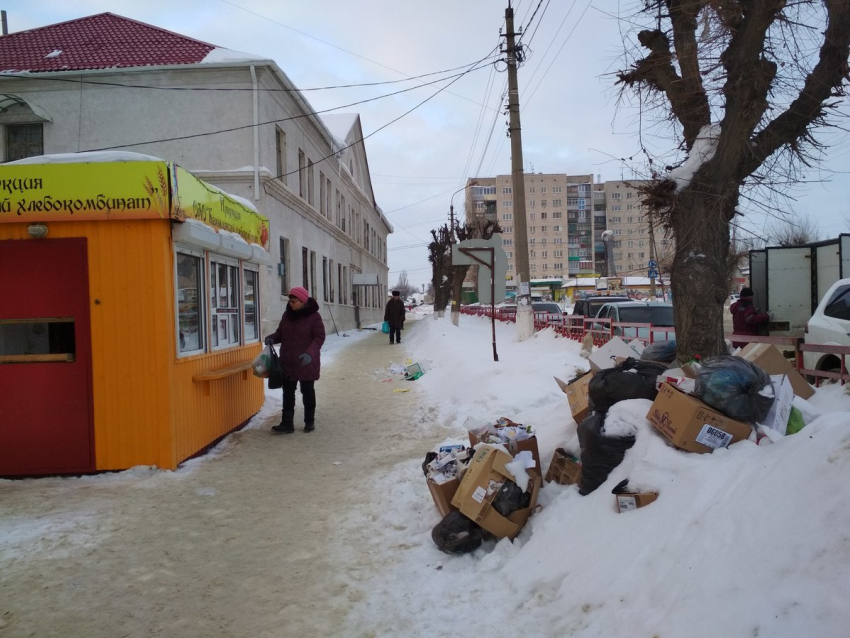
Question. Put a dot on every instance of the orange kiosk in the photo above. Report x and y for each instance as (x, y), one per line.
(129, 314)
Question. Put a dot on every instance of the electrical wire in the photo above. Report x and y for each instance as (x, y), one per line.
(455, 77)
(42, 77)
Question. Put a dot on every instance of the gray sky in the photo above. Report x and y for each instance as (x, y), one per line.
(571, 121)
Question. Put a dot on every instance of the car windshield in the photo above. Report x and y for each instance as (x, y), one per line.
(594, 305)
(546, 307)
(656, 315)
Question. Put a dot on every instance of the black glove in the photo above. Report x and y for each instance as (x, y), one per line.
(305, 359)
(269, 341)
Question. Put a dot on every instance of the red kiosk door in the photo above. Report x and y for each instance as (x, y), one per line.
(46, 422)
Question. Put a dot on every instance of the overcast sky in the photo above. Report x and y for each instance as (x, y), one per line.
(571, 120)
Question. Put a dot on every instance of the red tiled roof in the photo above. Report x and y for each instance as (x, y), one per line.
(100, 41)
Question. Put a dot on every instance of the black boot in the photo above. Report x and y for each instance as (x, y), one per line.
(287, 423)
(309, 420)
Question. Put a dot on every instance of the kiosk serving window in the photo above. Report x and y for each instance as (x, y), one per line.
(251, 289)
(190, 302)
(224, 295)
(222, 314)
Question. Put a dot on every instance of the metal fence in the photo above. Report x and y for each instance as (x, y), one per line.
(576, 327)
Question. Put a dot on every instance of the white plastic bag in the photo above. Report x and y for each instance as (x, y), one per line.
(262, 364)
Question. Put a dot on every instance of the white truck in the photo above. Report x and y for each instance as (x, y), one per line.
(790, 281)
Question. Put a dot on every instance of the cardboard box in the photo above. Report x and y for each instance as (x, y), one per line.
(627, 502)
(690, 424)
(515, 447)
(443, 493)
(604, 356)
(577, 395)
(564, 469)
(768, 357)
(780, 411)
(474, 499)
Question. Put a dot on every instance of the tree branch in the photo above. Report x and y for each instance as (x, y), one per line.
(808, 108)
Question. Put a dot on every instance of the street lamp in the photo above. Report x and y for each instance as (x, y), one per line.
(452, 209)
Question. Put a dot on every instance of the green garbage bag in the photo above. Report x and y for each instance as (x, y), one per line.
(795, 421)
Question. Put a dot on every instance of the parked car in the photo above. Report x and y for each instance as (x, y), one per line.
(830, 325)
(590, 305)
(658, 314)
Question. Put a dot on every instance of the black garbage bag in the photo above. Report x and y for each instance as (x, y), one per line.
(510, 499)
(734, 386)
(629, 380)
(599, 453)
(456, 534)
(664, 351)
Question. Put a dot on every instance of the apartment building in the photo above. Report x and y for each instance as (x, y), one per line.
(563, 222)
(632, 233)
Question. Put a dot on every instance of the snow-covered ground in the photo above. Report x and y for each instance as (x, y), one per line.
(747, 541)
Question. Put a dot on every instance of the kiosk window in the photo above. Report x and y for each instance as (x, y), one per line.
(224, 295)
(37, 340)
(189, 308)
(252, 327)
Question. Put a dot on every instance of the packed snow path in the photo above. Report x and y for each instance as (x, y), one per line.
(243, 543)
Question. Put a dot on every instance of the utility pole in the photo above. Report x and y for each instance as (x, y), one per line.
(524, 314)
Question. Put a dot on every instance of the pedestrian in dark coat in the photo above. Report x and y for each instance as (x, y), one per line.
(745, 317)
(394, 315)
(300, 334)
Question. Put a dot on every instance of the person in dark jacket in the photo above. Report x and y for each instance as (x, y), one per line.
(394, 315)
(745, 317)
(300, 334)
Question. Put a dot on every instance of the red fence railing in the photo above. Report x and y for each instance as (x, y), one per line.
(576, 327)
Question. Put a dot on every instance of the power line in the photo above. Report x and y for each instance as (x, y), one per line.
(28, 76)
(286, 26)
(294, 117)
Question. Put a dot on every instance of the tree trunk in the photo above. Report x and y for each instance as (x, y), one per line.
(458, 277)
(699, 276)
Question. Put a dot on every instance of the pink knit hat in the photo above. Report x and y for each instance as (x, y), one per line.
(301, 293)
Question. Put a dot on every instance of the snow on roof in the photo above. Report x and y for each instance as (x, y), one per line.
(702, 151)
(88, 156)
(100, 41)
(339, 124)
(220, 54)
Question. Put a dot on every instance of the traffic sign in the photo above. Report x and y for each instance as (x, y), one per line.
(652, 264)
(652, 274)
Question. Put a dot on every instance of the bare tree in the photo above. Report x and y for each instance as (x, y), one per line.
(440, 256)
(482, 228)
(403, 285)
(744, 84)
(785, 231)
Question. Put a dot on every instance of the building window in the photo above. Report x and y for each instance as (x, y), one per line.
(280, 153)
(24, 140)
(616, 195)
(310, 185)
(507, 242)
(302, 166)
(557, 189)
(508, 203)
(325, 286)
(542, 215)
(283, 266)
(224, 301)
(507, 217)
(331, 281)
(556, 202)
(340, 278)
(305, 268)
(507, 190)
(531, 204)
(312, 287)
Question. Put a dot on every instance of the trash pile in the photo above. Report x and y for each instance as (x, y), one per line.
(490, 487)
(698, 406)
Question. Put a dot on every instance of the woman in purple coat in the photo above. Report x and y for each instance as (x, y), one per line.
(300, 334)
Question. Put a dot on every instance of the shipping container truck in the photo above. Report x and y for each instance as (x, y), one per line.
(790, 281)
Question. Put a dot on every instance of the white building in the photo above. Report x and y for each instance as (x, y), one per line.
(106, 82)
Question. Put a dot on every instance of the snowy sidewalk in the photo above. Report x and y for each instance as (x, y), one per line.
(240, 543)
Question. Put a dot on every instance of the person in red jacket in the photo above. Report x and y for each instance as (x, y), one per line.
(301, 333)
(746, 318)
